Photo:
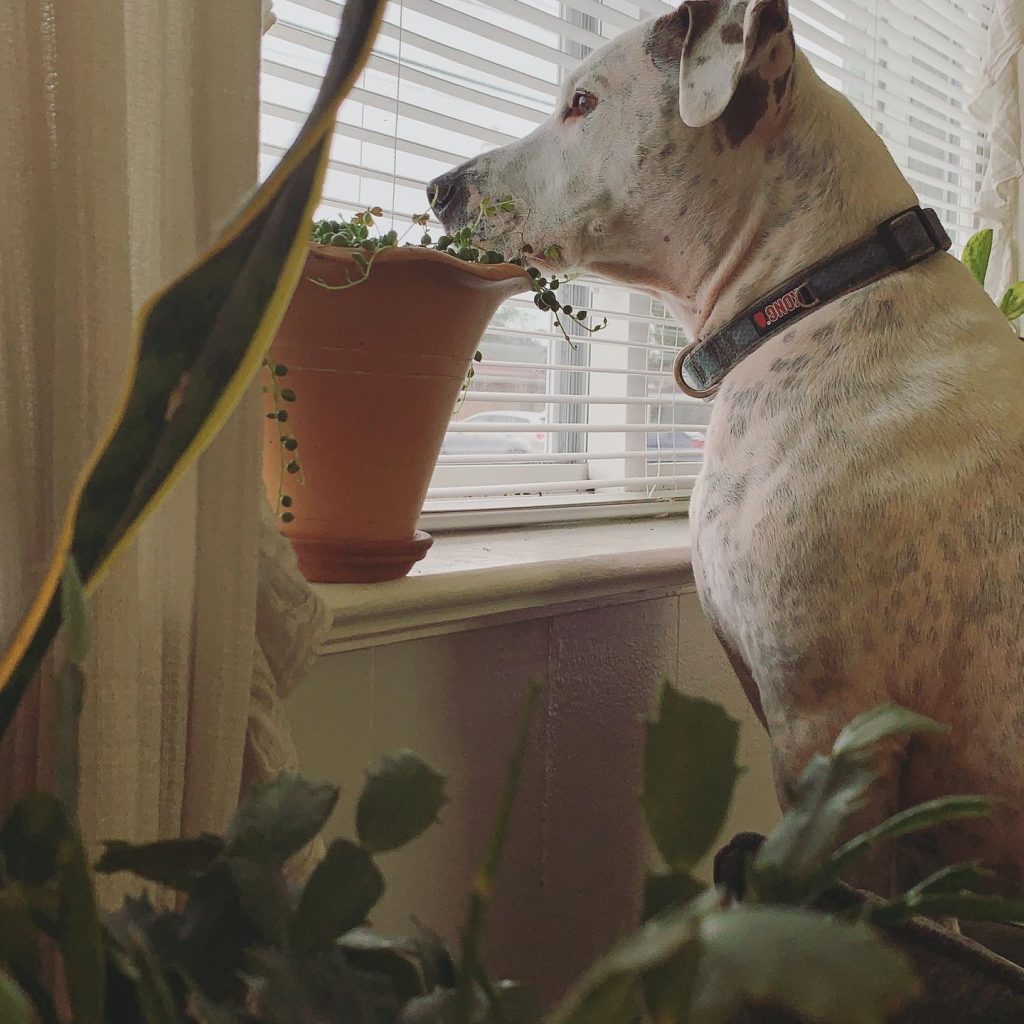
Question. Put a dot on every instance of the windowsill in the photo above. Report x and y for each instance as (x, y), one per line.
(476, 579)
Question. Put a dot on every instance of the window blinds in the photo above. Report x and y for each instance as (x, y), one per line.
(597, 421)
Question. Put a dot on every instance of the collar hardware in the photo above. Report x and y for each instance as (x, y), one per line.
(899, 242)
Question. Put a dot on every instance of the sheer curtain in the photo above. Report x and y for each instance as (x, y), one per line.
(129, 134)
(999, 105)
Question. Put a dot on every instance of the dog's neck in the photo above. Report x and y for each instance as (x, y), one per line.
(828, 181)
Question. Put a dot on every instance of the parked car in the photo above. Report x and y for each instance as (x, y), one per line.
(520, 441)
(675, 445)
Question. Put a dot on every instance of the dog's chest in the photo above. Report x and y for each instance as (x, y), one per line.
(779, 517)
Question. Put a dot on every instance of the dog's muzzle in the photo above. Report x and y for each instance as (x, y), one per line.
(448, 196)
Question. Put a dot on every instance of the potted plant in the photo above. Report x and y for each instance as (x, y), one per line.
(366, 370)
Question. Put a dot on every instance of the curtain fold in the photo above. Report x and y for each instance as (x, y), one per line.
(129, 136)
(999, 104)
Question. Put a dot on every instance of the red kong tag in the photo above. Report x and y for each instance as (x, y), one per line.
(783, 307)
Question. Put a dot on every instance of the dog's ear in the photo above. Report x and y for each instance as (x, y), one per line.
(723, 39)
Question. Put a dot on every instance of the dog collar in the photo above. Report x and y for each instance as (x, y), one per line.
(897, 243)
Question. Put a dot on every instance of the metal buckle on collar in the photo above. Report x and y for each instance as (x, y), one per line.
(677, 372)
(912, 236)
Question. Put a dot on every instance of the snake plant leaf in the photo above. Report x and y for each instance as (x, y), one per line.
(846, 973)
(977, 253)
(68, 699)
(689, 773)
(1012, 304)
(913, 819)
(339, 895)
(175, 863)
(19, 944)
(968, 906)
(279, 817)
(881, 723)
(400, 800)
(198, 343)
(789, 862)
(40, 846)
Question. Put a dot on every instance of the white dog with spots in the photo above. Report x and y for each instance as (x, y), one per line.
(859, 519)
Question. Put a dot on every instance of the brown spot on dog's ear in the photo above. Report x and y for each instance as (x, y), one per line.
(748, 105)
(702, 15)
(664, 43)
(732, 33)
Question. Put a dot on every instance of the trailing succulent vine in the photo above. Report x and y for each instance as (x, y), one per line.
(290, 464)
(361, 234)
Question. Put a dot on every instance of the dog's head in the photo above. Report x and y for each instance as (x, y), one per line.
(645, 132)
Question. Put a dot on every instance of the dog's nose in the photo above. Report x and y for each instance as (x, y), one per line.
(447, 194)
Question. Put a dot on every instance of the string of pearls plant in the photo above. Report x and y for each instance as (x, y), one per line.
(361, 233)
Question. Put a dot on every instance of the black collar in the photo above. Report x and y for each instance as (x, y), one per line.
(898, 243)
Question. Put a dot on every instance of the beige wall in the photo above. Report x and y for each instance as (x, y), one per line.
(575, 859)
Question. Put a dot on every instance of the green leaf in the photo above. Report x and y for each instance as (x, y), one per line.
(614, 999)
(817, 967)
(976, 254)
(689, 774)
(471, 968)
(152, 990)
(1012, 304)
(666, 892)
(791, 858)
(881, 723)
(395, 960)
(913, 819)
(172, 862)
(278, 818)
(82, 944)
(31, 837)
(15, 1007)
(339, 895)
(68, 695)
(967, 906)
(953, 878)
(74, 613)
(41, 850)
(198, 343)
(609, 992)
(264, 898)
(399, 801)
(18, 938)
(668, 988)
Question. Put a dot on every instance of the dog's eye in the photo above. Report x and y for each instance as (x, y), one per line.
(583, 103)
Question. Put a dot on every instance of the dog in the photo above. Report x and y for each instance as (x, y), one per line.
(858, 529)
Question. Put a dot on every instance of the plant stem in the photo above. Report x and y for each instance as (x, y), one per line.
(470, 967)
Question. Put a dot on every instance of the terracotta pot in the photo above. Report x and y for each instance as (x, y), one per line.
(376, 369)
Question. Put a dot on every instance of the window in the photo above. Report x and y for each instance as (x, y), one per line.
(552, 428)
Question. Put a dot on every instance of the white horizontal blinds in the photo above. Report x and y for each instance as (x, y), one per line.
(598, 419)
(909, 66)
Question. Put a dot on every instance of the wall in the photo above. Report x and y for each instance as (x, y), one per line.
(576, 854)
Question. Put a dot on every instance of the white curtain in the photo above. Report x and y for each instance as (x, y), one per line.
(128, 136)
(999, 104)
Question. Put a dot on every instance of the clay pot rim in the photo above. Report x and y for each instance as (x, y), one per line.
(499, 273)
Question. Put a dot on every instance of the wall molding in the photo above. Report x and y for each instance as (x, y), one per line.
(436, 603)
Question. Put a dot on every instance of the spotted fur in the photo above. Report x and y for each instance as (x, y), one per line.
(858, 525)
